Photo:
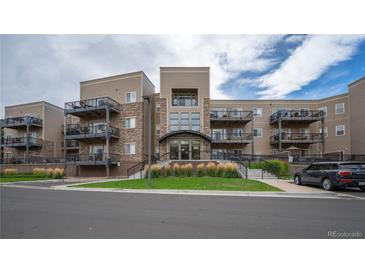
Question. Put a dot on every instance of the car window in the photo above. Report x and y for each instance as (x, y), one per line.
(328, 166)
(353, 166)
(313, 167)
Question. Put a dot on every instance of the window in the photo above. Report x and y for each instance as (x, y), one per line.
(340, 108)
(184, 120)
(257, 112)
(130, 123)
(195, 121)
(158, 130)
(184, 97)
(8, 155)
(130, 148)
(323, 111)
(340, 130)
(158, 107)
(257, 132)
(236, 112)
(130, 97)
(237, 132)
(174, 121)
(324, 132)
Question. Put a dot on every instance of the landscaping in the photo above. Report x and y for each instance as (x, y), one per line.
(12, 175)
(276, 167)
(191, 183)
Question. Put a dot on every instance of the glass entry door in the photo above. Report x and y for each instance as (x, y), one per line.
(184, 150)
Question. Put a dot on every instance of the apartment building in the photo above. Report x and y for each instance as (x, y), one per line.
(31, 131)
(110, 127)
(105, 132)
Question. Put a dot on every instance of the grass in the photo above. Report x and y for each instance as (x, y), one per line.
(192, 183)
(21, 178)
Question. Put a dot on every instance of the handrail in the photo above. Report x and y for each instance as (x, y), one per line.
(230, 136)
(297, 137)
(92, 157)
(243, 163)
(22, 121)
(99, 102)
(296, 115)
(269, 167)
(78, 129)
(21, 140)
(231, 115)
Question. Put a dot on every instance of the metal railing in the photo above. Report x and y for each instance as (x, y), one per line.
(87, 131)
(297, 137)
(93, 158)
(231, 115)
(32, 160)
(21, 121)
(184, 127)
(70, 144)
(296, 115)
(231, 137)
(21, 141)
(92, 104)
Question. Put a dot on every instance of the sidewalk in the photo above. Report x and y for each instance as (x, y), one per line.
(289, 186)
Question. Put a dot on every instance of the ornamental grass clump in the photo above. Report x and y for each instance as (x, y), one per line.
(231, 171)
(49, 172)
(41, 172)
(211, 169)
(167, 170)
(188, 170)
(10, 171)
(200, 170)
(221, 168)
(177, 170)
(156, 171)
(58, 173)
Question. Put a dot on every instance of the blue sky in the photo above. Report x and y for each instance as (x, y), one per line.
(50, 67)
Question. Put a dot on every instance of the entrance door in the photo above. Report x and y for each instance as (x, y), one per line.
(184, 151)
(195, 150)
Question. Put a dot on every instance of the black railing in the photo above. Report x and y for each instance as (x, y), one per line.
(93, 158)
(230, 115)
(21, 121)
(70, 144)
(92, 104)
(87, 131)
(21, 141)
(231, 137)
(297, 115)
(297, 137)
(32, 160)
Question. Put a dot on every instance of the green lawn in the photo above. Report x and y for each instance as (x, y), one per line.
(20, 178)
(193, 183)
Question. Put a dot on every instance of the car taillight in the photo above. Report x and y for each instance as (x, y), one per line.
(344, 173)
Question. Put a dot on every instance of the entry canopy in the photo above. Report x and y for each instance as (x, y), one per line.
(181, 132)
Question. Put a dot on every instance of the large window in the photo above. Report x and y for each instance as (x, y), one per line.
(195, 121)
(174, 121)
(257, 132)
(257, 112)
(184, 97)
(340, 108)
(184, 122)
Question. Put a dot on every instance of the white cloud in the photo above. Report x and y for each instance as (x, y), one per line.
(307, 63)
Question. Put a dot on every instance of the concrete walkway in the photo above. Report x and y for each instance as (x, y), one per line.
(289, 186)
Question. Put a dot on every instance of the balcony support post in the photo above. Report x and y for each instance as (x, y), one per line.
(107, 137)
(279, 134)
(64, 140)
(27, 142)
(322, 129)
(253, 137)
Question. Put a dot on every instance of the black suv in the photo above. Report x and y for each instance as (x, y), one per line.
(330, 175)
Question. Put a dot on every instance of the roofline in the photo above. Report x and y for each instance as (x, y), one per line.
(115, 77)
(33, 103)
(357, 81)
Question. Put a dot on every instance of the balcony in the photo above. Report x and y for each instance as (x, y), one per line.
(92, 107)
(21, 122)
(232, 138)
(231, 116)
(70, 145)
(21, 142)
(297, 138)
(302, 116)
(77, 131)
(93, 159)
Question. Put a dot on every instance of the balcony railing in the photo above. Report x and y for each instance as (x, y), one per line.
(297, 138)
(296, 115)
(93, 159)
(231, 137)
(77, 131)
(231, 115)
(21, 141)
(13, 122)
(70, 144)
(90, 105)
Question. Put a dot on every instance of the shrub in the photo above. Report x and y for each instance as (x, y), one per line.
(276, 167)
(49, 172)
(188, 170)
(211, 169)
(220, 170)
(58, 173)
(200, 170)
(156, 171)
(231, 171)
(176, 168)
(167, 170)
(40, 172)
(255, 165)
(10, 171)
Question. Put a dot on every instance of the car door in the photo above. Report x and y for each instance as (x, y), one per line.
(309, 174)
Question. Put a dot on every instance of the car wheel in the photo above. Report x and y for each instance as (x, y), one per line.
(327, 184)
(297, 180)
(362, 188)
